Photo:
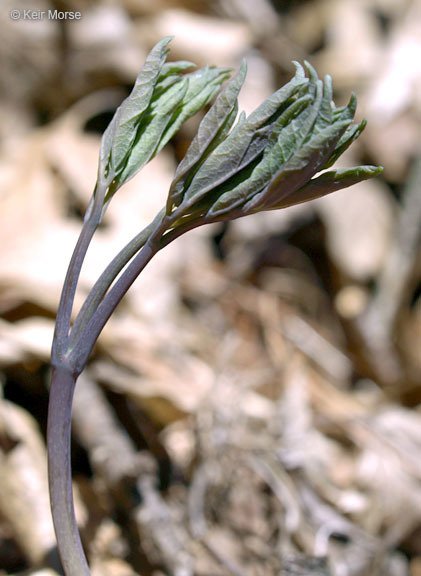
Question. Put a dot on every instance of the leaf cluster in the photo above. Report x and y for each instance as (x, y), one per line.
(269, 159)
(162, 99)
(235, 165)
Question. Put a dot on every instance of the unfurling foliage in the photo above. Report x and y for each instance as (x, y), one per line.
(161, 100)
(235, 166)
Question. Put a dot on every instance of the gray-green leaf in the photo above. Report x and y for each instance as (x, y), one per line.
(212, 130)
(329, 182)
(243, 143)
(136, 104)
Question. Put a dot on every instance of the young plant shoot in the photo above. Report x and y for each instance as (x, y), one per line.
(235, 166)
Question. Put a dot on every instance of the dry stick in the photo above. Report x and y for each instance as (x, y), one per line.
(155, 522)
(126, 473)
(377, 324)
(112, 455)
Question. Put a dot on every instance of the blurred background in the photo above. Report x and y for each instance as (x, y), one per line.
(253, 406)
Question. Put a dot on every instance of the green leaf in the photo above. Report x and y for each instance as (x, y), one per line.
(346, 112)
(264, 161)
(313, 155)
(105, 172)
(178, 189)
(168, 110)
(293, 133)
(291, 130)
(174, 68)
(247, 140)
(161, 101)
(277, 103)
(130, 112)
(324, 113)
(326, 107)
(302, 166)
(329, 182)
(288, 132)
(213, 128)
(311, 158)
(202, 87)
(153, 126)
(169, 75)
(268, 158)
(348, 137)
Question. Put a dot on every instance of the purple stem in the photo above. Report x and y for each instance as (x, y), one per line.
(64, 313)
(72, 556)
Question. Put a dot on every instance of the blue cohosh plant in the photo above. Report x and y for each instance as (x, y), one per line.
(274, 158)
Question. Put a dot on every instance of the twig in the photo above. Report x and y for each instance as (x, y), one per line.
(378, 323)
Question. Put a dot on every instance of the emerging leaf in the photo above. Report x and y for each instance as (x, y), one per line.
(121, 132)
(203, 85)
(269, 159)
(212, 130)
(329, 182)
(162, 99)
(247, 140)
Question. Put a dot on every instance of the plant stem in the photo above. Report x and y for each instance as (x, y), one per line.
(80, 353)
(72, 353)
(64, 313)
(158, 239)
(110, 273)
(63, 383)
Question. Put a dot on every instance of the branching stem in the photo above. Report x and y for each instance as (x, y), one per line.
(80, 353)
(64, 313)
(104, 282)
